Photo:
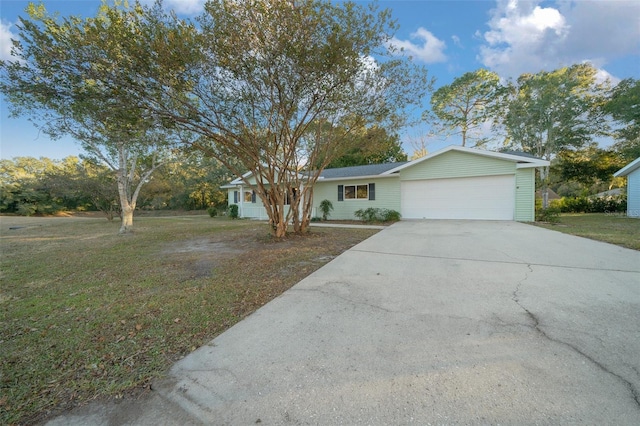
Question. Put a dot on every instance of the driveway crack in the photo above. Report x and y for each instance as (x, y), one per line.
(635, 393)
(343, 298)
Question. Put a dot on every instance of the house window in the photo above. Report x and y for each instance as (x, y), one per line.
(249, 196)
(357, 192)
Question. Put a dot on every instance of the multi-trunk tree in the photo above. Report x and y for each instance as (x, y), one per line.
(270, 86)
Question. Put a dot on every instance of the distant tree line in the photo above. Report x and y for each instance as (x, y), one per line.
(31, 186)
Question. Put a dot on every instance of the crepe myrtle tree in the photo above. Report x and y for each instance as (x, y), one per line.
(282, 92)
(58, 79)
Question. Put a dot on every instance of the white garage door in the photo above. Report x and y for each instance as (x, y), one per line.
(485, 198)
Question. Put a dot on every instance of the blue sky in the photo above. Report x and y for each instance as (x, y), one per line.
(449, 37)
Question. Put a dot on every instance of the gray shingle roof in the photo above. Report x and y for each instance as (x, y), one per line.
(355, 171)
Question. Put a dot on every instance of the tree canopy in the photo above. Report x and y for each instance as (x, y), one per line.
(624, 107)
(253, 96)
(369, 146)
(59, 81)
(467, 104)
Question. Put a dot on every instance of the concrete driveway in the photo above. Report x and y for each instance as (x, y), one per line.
(427, 322)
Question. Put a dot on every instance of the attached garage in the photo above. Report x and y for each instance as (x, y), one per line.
(481, 198)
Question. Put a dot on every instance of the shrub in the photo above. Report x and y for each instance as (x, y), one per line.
(391, 216)
(366, 215)
(550, 214)
(325, 207)
(213, 212)
(373, 214)
(233, 211)
(610, 204)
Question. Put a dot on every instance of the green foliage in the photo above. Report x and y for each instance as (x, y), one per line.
(233, 211)
(372, 145)
(550, 214)
(390, 215)
(213, 211)
(374, 214)
(611, 204)
(71, 75)
(556, 110)
(325, 207)
(589, 166)
(624, 107)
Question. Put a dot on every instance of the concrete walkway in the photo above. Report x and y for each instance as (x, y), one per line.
(426, 322)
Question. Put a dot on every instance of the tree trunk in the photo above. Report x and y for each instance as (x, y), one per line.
(127, 220)
(126, 206)
(545, 187)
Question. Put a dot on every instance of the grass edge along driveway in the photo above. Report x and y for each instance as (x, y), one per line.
(86, 313)
(613, 228)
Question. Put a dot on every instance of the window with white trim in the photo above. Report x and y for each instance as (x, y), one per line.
(357, 192)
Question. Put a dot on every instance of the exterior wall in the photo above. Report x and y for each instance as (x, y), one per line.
(247, 209)
(457, 164)
(633, 194)
(525, 195)
(387, 197)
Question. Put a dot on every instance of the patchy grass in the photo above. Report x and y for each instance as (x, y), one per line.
(610, 228)
(87, 314)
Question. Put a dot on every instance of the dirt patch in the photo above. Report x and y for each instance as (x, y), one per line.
(203, 245)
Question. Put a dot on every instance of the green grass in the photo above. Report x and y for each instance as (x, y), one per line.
(610, 228)
(86, 313)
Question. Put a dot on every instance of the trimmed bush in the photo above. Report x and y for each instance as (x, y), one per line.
(213, 212)
(550, 214)
(233, 211)
(610, 204)
(373, 214)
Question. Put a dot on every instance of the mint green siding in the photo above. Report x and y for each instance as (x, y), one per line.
(525, 195)
(633, 193)
(457, 164)
(387, 196)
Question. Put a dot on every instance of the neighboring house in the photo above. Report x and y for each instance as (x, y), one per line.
(632, 172)
(552, 195)
(453, 183)
(610, 193)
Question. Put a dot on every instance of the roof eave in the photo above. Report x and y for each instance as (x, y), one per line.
(321, 179)
(626, 170)
(522, 162)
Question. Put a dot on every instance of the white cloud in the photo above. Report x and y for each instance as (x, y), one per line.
(527, 37)
(602, 76)
(429, 48)
(523, 37)
(456, 40)
(5, 41)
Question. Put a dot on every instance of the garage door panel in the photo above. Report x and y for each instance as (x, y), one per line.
(486, 197)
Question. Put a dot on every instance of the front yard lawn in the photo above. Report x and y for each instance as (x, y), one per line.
(608, 227)
(86, 313)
